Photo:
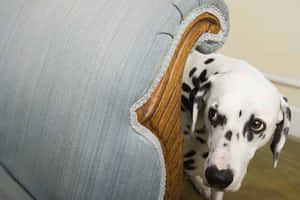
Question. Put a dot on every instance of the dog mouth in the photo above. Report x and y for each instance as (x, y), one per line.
(217, 188)
(233, 187)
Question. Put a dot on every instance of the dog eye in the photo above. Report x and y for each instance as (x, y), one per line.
(213, 114)
(257, 126)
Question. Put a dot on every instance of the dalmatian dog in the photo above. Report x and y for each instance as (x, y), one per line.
(229, 110)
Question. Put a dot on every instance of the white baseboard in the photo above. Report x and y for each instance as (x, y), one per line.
(295, 125)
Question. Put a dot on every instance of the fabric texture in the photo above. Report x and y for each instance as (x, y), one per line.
(10, 189)
(70, 72)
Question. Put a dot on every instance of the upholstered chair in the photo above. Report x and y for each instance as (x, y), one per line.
(90, 95)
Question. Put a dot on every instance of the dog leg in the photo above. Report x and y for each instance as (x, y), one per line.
(216, 195)
(205, 191)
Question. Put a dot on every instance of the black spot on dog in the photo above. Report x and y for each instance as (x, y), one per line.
(288, 113)
(195, 82)
(250, 136)
(193, 70)
(225, 144)
(182, 109)
(185, 132)
(210, 60)
(206, 86)
(186, 87)
(240, 113)
(286, 131)
(201, 140)
(189, 167)
(285, 99)
(237, 136)
(247, 125)
(185, 102)
(221, 120)
(277, 135)
(228, 135)
(192, 97)
(264, 135)
(246, 129)
(216, 73)
(190, 154)
(205, 155)
(202, 76)
(188, 164)
(201, 131)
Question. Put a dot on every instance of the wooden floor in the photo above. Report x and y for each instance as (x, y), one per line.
(263, 182)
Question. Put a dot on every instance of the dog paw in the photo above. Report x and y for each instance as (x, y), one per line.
(198, 184)
(205, 192)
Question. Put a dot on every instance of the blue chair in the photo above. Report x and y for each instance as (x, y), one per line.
(90, 95)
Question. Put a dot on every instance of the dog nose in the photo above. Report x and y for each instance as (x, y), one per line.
(219, 179)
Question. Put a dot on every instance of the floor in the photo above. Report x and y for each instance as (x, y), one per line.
(262, 181)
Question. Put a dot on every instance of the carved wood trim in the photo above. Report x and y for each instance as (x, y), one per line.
(162, 112)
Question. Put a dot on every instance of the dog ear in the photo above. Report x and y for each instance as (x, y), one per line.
(198, 95)
(281, 131)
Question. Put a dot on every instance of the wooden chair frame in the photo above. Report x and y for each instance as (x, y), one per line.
(161, 114)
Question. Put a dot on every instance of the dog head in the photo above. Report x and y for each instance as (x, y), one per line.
(242, 110)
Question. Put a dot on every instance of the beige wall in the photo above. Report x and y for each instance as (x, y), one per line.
(266, 33)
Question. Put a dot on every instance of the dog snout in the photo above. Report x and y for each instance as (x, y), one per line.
(219, 179)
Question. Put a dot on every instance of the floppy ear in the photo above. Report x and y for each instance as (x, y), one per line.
(281, 131)
(203, 85)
